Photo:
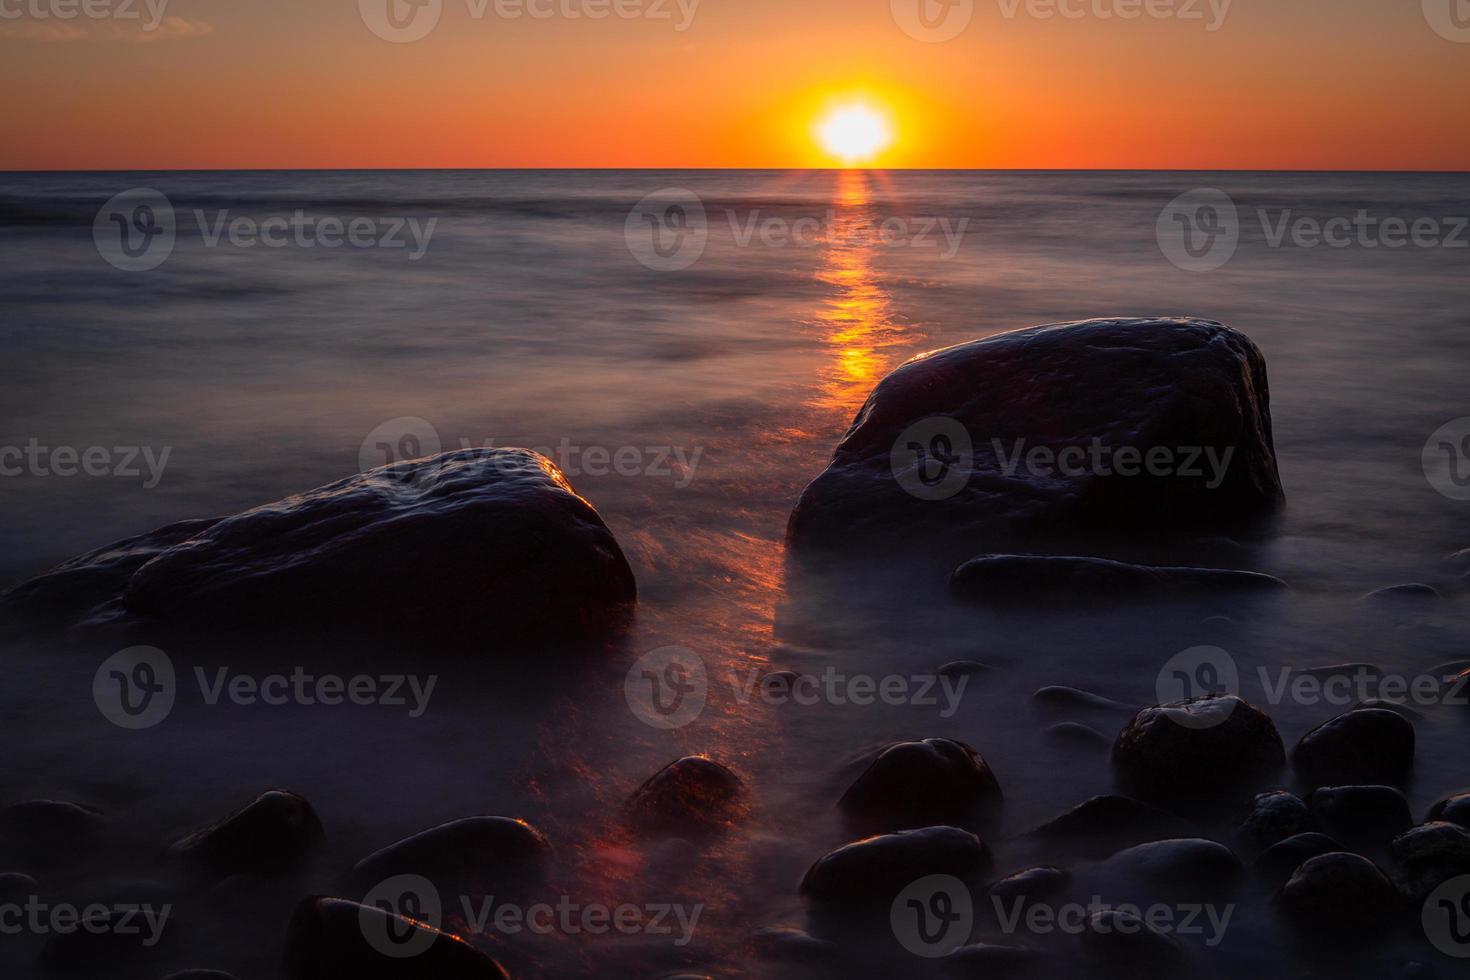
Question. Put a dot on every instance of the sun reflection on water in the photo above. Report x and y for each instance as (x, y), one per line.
(857, 321)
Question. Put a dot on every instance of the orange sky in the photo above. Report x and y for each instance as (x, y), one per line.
(1319, 84)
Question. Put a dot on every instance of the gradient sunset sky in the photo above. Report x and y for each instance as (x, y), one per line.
(1279, 84)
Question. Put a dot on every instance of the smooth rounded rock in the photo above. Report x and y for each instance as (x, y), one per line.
(693, 796)
(1340, 894)
(1362, 814)
(936, 782)
(1452, 809)
(1366, 745)
(277, 833)
(870, 873)
(1213, 746)
(1046, 579)
(1274, 817)
(488, 852)
(1188, 863)
(1277, 863)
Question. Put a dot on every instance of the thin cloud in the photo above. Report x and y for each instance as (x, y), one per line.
(171, 28)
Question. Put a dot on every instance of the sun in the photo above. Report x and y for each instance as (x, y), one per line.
(854, 134)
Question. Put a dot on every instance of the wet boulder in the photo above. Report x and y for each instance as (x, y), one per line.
(1365, 745)
(110, 941)
(1428, 856)
(480, 547)
(869, 874)
(49, 820)
(200, 975)
(936, 782)
(1122, 945)
(488, 854)
(331, 937)
(1046, 579)
(1362, 814)
(988, 444)
(1407, 590)
(1340, 894)
(1452, 809)
(277, 833)
(693, 796)
(1274, 817)
(1279, 862)
(1213, 746)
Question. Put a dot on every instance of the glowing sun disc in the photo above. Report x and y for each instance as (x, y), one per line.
(854, 134)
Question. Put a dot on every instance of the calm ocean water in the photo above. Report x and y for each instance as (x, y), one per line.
(535, 315)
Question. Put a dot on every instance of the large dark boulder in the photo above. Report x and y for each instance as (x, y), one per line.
(1454, 808)
(935, 782)
(933, 454)
(1430, 855)
(1365, 745)
(1274, 817)
(277, 833)
(1279, 862)
(472, 548)
(1211, 747)
(330, 937)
